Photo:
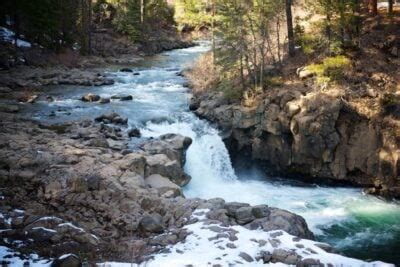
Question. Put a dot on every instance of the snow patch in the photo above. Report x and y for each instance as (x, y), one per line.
(204, 248)
(8, 36)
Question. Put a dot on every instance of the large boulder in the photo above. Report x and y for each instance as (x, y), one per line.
(164, 186)
(151, 224)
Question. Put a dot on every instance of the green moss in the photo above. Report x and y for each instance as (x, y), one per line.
(309, 43)
(331, 68)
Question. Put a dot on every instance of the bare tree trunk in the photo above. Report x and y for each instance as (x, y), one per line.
(289, 19)
(373, 6)
(390, 7)
(278, 37)
(329, 25)
(89, 27)
(142, 11)
(213, 31)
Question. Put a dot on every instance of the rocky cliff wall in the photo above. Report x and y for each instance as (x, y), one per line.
(316, 134)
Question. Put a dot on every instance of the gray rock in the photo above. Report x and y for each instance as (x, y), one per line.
(105, 101)
(122, 97)
(244, 215)
(260, 211)
(151, 224)
(135, 132)
(68, 260)
(163, 185)
(246, 257)
(231, 207)
(126, 70)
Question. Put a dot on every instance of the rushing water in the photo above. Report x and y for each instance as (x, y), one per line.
(360, 226)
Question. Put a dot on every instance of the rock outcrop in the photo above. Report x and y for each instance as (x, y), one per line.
(316, 134)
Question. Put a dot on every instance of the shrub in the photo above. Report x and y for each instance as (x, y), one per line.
(331, 68)
(203, 76)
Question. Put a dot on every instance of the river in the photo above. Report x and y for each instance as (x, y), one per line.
(357, 225)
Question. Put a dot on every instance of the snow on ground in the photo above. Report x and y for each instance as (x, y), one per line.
(8, 36)
(12, 258)
(203, 248)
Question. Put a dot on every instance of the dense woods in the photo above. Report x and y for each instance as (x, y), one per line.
(65, 24)
(255, 36)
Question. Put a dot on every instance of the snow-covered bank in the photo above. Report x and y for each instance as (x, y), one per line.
(213, 244)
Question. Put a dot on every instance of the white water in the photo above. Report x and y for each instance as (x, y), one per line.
(359, 225)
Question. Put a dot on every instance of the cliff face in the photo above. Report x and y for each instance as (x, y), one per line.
(315, 134)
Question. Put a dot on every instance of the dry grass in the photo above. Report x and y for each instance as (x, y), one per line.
(203, 76)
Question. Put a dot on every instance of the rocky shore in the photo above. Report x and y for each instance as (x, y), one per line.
(79, 188)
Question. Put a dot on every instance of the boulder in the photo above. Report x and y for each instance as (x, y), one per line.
(126, 70)
(163, 185)
(151, 224)
(260, 211)
(67, 260)
(105, 101)
(90, 98)
(244, 215)
(161, 164)
(231, 207)
(122, 97)
(112, 118)
(304, 73)
(135, 132)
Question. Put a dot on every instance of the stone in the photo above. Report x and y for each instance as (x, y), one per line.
(126, 70)
(105, 101)
(244, 215)
(99, 142)
(246, 257)
(163, 185)
(67, 260)
(304, 73)
(90, 98)
(310, 262)
(151, 224)
(122, 97)
(111, 118)
(260, 211)
(41, 234)
(135, 132)
(231, 207)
